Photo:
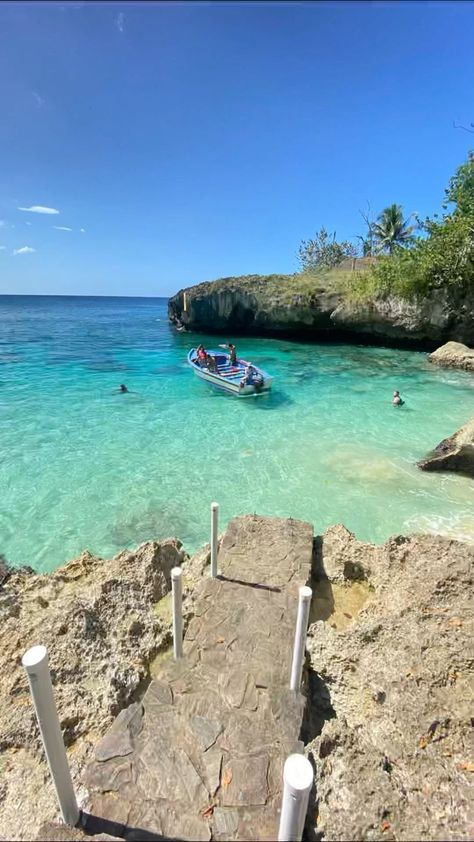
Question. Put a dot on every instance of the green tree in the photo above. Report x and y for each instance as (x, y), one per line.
(461, 188)
(391, 230)
(443, 258)
(324, 252)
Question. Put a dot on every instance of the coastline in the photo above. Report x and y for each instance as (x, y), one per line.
(322, 306)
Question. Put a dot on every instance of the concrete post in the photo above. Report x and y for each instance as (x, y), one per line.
(300, 637)
(297, 783)
(35, 662)
(214, 528)
(177, 588)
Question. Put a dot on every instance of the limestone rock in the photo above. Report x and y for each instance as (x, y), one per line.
(259, 305)
(99, 621)
(454, 355)
(390, 730)
(455, 453)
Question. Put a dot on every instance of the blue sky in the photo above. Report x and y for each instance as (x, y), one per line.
(196, 140)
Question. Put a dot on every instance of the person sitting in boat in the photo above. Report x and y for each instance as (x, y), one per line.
(201, 355)
(397, 401)
(211, 363)
(252, 377)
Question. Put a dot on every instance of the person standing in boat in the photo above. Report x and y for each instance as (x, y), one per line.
(232, 353)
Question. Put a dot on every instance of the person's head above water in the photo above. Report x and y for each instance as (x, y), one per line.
(396, 393)
(123, 388)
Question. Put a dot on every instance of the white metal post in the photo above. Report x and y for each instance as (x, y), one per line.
(297, 783)
(35, 662)
(177, 588)
(300, 637)
(214, 527)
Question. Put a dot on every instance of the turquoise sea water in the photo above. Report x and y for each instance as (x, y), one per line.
(84, 467)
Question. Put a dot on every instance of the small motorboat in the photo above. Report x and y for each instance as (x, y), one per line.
(242, 378)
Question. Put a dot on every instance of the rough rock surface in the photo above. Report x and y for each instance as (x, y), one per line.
(100, 623)
(392, 690)
(454, 355)
(260, 305)
(455, 453)
(390, 719)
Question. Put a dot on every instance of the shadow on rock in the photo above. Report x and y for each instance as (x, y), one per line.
(322, 604)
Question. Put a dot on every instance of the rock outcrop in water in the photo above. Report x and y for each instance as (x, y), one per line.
(391, 686)
(279, 304)
(454, 355)
(455, 453)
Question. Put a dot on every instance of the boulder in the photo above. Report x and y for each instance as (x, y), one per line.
(454, 355)
(390, 733)
(455, 453)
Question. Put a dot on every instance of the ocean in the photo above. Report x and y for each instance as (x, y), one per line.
(85, 467)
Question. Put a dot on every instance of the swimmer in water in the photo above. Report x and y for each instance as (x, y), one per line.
(397, 401)
(123, 388)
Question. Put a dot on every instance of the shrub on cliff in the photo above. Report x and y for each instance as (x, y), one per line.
(324, 252)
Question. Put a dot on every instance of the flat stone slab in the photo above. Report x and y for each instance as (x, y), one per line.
(202, 755)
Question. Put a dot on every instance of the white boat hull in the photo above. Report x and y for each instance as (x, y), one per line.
(229, 378)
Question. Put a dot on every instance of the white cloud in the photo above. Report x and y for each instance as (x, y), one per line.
(39, 209)
(120, 21)
(62, 228)
(28, 223)
(2, 223)
(83, 230)
(23, 250)
(38, 99)
(2, 248)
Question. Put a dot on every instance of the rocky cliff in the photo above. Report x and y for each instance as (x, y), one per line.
(103, 623)
(322, 308)
(391, 669)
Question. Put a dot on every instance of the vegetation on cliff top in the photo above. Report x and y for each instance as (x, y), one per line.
(442, 256)
(283, 289)
(399, 258)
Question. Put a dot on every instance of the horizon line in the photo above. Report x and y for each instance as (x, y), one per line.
(71, 295)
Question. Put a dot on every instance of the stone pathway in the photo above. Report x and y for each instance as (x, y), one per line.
(201, 756)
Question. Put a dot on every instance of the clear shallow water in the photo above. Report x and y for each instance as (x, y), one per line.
(84, 467)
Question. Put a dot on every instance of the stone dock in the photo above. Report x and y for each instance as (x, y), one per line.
(201, 755)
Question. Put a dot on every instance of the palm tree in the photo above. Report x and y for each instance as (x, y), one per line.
(391, 230)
